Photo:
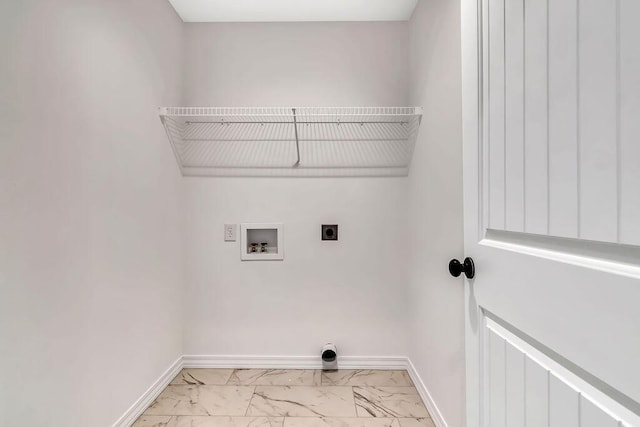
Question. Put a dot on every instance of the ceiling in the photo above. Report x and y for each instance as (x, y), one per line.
(293, 10)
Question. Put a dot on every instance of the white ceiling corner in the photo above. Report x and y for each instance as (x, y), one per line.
(293, 10)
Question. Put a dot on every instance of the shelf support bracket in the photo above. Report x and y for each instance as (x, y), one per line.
(295, 129)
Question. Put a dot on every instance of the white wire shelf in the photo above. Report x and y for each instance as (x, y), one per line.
(358, 141)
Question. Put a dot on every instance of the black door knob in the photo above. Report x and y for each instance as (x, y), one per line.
(456, 268)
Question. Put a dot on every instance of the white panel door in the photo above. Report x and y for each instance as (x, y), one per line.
(551, 98)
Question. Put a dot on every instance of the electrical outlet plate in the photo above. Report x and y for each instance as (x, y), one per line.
(329, 231)
(230, 231)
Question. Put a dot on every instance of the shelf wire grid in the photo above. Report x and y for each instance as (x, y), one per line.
(352, 141)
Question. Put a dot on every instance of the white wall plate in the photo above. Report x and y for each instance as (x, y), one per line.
(269, 233)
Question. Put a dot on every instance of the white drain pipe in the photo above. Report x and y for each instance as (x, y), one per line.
(329, 357)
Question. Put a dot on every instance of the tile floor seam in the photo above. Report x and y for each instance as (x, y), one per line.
(355, 406)
(229, 379)
(233, 371)
(251, 400)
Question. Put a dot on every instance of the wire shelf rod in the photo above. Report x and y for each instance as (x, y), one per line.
(293, 140)
(296, 122)
(374, 166)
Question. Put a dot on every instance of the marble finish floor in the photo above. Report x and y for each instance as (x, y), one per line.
(287, 398)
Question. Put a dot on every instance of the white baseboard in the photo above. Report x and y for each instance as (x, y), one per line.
(150, 395)
(292, 362)
(278, 362)
(436, 415)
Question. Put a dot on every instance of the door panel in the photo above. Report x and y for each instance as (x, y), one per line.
(564, 407)
(561, 130)
(629, 123)
(516, 386)
(497, 380)
(592, 416)
(526, 384)
(496, 125)
(597, 46)
(514, 119)
(536, 394)
(563, 118)
(551, 159)
(536, 188)
(590, 317)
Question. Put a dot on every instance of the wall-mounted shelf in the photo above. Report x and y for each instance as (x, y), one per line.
(359, 141)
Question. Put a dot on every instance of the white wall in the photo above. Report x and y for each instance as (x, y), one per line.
(297, 64)
(92, 237)
(351, 291)
(435, 207)
(90, 219)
